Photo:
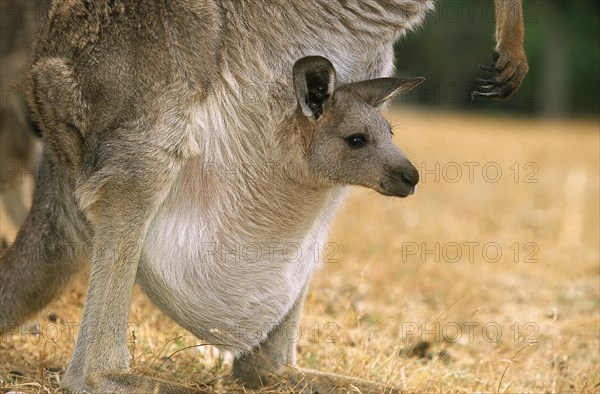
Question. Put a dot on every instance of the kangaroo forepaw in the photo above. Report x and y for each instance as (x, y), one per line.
(510, 68)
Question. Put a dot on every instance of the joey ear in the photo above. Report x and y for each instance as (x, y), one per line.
(375, 92)
(314, 83)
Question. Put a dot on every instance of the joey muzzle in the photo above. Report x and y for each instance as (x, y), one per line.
(400, 181)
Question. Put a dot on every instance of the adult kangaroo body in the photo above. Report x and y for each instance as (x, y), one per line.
(137, 101)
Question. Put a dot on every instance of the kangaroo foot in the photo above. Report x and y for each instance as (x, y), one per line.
(294, 380)
(126, 383)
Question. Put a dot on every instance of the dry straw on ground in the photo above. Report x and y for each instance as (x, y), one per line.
(486, 280)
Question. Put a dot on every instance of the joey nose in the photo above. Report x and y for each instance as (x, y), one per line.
(400, 180)
(410, 175)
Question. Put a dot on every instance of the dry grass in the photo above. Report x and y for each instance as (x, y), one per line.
(528, 323)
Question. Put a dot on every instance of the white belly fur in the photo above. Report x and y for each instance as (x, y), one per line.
(228, 287)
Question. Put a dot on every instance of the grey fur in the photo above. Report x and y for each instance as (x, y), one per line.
(137, 100)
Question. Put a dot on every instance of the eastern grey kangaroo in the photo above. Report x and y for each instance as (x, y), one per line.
(135, 101)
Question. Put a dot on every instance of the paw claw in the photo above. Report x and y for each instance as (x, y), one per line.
(486, 81)
(488, 69)
(487, 95)
(495, 56)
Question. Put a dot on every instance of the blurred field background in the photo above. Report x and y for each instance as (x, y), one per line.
(486, 280)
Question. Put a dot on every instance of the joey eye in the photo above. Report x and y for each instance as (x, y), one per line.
(356, 140)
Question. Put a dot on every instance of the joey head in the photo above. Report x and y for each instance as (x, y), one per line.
(346, 139)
